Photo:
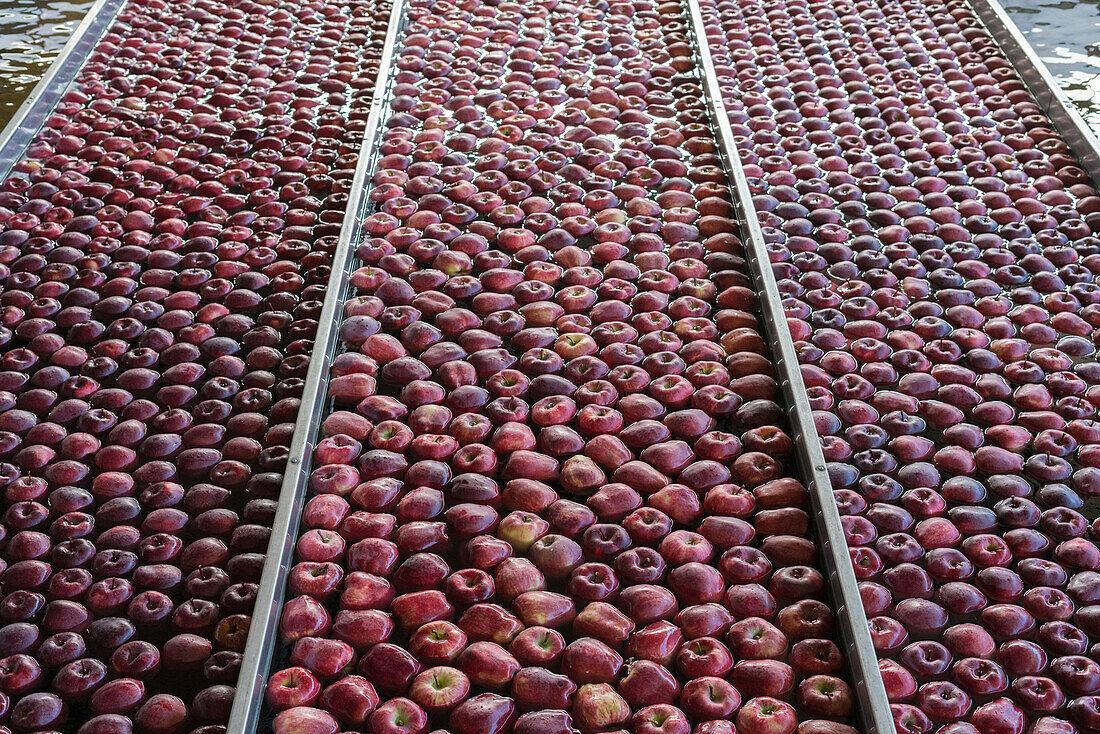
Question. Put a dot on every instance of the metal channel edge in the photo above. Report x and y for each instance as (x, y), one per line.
(244, 717)
(1042, 84)
(41, 102)
(874, 706)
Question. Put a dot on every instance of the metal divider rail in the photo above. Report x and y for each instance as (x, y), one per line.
(259, 648)
(873, 704)
(31, 115)
(862, 660)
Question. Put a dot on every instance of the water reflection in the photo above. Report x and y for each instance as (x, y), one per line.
(1066, 35)
(32, 32)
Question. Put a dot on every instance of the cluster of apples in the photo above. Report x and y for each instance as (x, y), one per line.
(934, 239)
(554, 492)
(164, 248)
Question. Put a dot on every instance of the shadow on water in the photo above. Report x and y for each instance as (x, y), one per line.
(1066, 35)
(32, 32)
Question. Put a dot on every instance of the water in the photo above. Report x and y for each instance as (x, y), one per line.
(32, 32)
(1066, 35)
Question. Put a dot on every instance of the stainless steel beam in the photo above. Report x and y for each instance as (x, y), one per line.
(874, 707)
(263, 634)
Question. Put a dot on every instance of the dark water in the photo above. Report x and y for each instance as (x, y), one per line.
(1066, 35)
(32, 32)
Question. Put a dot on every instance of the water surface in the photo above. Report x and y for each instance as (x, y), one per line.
(32, 32)
(1066, 35)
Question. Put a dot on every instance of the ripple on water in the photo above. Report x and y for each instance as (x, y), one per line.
(32, 32)
(1066, 35)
